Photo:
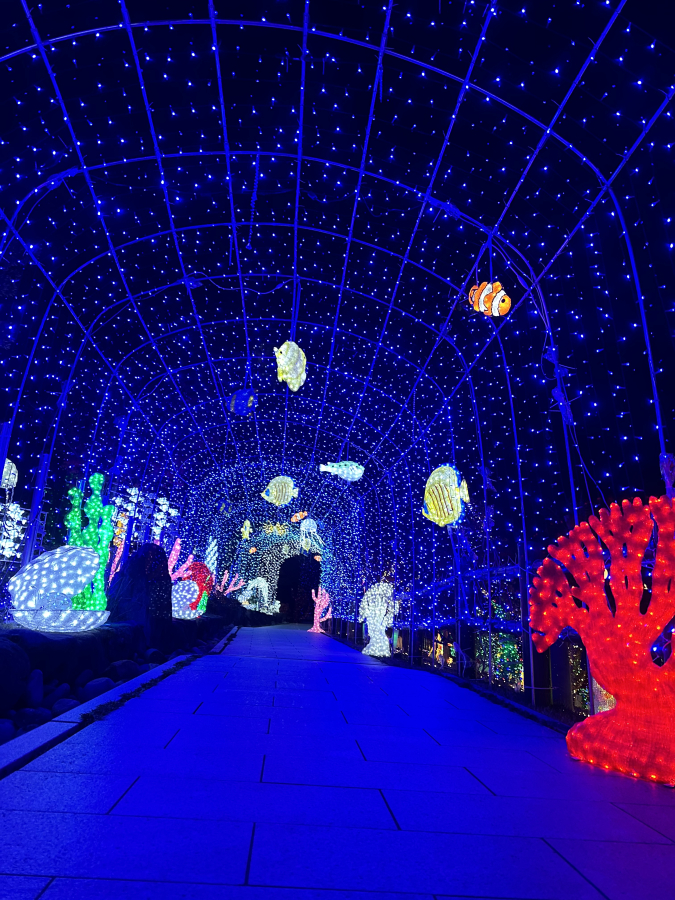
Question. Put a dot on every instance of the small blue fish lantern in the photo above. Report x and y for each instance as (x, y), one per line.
(242, 402)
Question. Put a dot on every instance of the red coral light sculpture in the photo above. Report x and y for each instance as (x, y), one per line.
(619, 618)
(200, 573)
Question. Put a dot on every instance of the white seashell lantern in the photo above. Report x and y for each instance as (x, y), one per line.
(42, 592)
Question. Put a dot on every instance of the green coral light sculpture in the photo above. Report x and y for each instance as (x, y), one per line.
(97, 535)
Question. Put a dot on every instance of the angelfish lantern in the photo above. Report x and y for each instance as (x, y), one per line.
(42, 591)
(291, 365)
(445, 496)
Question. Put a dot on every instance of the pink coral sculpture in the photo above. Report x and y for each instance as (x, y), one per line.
(321, 603)
(234, 585)
(184, 570)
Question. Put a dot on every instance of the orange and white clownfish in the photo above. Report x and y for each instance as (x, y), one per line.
(490, 298)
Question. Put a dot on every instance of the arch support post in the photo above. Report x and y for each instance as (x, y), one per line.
(5, 435)
(35, 509)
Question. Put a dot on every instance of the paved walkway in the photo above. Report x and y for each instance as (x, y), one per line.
(291, 766)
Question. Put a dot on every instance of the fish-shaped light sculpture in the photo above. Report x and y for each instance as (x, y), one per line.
(291, 365)
(445, 496)
(280, 491)
(349, 471)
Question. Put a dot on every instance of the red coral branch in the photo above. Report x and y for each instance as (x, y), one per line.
(594, 582)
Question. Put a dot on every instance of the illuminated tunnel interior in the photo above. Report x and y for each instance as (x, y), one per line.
(341, 314)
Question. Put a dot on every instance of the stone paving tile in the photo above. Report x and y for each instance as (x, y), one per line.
(589, 784)
(623, 871)
(121, 847)
(360, 773)
(356, 859)
(291, 767)
(518, 816)
(196, 798)
(660, 818)
(21, 887)
(62, 791)
(79, 889)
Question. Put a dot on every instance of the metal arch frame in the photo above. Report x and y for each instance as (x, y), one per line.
(377, 80)
(56, 180)
(465, 86)
(444, 405)
(401, 56)
(310, 401)
(124, 301)
(233, 219)
(208, 225)
(239, 23)
(160, 166)
(58, 292)
(187, 460)
(559, 111)
(576, 228)
(295, 308)
(423, 205)
(85, 172)
(359, 337)
(643, 317)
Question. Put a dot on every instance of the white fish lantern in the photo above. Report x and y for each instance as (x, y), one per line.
(183, 595)
(42, 592)
(348, 471)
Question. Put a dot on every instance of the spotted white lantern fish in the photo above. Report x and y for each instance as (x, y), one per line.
(280, 490)
(490, 298)
(349, 471)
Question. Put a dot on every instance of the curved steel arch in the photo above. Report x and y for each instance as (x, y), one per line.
(410, 60)
(639, 297)
(215, 426)
(78, 152)
(307, 400)
(394, 401)
(648, 125)
(424, 431)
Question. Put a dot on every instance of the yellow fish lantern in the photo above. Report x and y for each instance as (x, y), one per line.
(490, 298)
(291, 365)
(445, 496)
(246, 530)
(280, 490)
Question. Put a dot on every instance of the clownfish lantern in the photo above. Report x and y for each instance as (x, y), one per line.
(490, 298)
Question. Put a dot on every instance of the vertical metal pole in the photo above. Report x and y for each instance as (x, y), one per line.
(489, 583)
(525, 614)
(5, 435)
(35, 508)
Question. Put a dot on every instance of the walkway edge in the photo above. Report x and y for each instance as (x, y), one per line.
(222, 644)
(525, 711)
(18, 752)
